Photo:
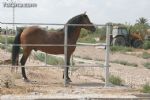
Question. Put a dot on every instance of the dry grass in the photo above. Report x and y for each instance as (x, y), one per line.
(6, 80)
(85, 80)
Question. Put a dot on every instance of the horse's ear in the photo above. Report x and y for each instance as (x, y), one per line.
(84, 13)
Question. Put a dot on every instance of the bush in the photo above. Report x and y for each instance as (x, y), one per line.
(145, 55)
(9, 39)
(116, 80)
(8, 48)
(121, 49)
(83, 33)
(51, 60)
(146, 45)
(147, 65)
(146, 88)
(87, 39)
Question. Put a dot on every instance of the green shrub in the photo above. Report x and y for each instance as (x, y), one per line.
(121, 49)
(146, 88)
(147, 65)
(2, 39)
(87, 39)
(145, 55)
(7, 48)
(146, 45)
(51, 60)
(116, 80)
(83, 33)
(9, 39)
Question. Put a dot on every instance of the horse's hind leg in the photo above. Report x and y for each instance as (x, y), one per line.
(24, 58)
(15, 64)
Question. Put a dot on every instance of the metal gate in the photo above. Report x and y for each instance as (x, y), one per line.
(106, 44)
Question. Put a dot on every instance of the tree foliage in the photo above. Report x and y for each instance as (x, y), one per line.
(141, 20)
(140, 26)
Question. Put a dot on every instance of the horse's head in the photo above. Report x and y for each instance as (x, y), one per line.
(80, 19)
(86, 20)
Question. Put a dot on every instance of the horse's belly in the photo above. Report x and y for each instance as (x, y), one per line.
(56, 50)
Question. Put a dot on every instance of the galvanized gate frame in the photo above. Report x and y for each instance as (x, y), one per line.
(107, 46)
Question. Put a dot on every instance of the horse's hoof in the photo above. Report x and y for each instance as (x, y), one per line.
(69, 80)
(27, 80)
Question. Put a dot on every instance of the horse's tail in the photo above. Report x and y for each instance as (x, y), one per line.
(16, 46)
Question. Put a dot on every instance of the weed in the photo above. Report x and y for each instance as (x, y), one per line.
(145, 55)
(51, 60)
(9, 39)
(147, 65)
(146, 88)
(7, 81)
(125, 63)
(116, 80)
(146, 45)
(121, 49)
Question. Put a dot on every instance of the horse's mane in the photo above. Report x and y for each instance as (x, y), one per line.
(75, 20)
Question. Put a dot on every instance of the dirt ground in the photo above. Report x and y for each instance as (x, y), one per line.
(85, 80)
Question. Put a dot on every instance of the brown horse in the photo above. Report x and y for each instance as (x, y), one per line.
(36, 36)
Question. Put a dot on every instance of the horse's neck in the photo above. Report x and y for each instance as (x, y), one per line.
(74, 35)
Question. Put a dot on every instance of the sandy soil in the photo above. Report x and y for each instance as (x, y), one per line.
(84, 80)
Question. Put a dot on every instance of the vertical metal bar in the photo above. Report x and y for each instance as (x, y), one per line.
(46, 53)
(106, 65)
(13, 16)
(15, 30)
(6, 42)
(65, 53)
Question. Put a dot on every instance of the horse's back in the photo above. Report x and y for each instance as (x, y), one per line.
(33, 35)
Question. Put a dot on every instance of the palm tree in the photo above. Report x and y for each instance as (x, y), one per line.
(142, 20)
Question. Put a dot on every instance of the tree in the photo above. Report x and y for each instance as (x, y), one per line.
(140, 26)
(142, 20)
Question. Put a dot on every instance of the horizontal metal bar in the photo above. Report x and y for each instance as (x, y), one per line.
(80, 44)
(51, 24)
(59, 66)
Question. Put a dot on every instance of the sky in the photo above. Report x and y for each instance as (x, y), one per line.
(60, 11)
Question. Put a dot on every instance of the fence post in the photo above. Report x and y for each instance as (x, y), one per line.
(106, 65)
(46, 53)
(6, 42)
(65, 54)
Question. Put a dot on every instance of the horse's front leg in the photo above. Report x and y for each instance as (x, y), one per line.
(67, 70)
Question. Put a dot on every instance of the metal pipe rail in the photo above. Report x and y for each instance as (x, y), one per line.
(60, 66)
(66, 45)
(7, 23)
(78, 44)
